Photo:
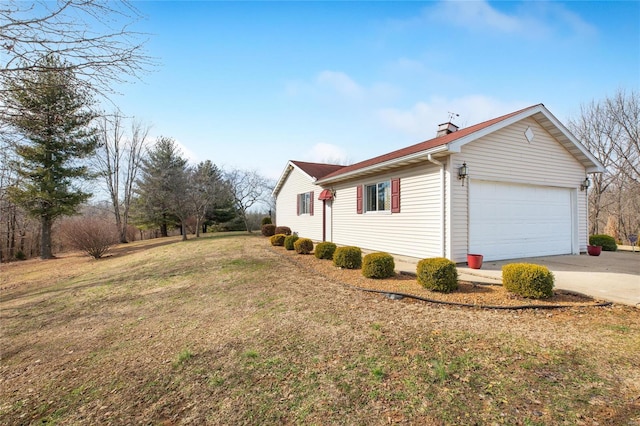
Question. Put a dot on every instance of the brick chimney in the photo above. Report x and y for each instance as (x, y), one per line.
(446, 128)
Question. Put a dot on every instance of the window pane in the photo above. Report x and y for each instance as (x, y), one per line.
(384, 196)
(371, 198)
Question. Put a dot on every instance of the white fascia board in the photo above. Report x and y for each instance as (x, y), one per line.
(287, 170)
(388, 163)
(597, 166)
(285, 173)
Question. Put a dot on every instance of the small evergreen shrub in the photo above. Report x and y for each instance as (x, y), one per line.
(437, 274)
(303, 246)
(528, 280)
(20, 255)
(348, 257)
(607, 242)
(278, 240)
(325, 250)
(378, 265)
(268, 230)
(283, 230)
(266, 221)
(289, 240)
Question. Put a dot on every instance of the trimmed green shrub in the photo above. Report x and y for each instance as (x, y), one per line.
(325, 250)
(283, 230)
(348, 257)
(528, 280)
(289, 240)
(303, 246)
(607, 242)
(266, 221)
(278, 240)
(268, 230)
(378, 265)
(437, 274)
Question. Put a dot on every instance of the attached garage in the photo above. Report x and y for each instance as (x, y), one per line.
(514, 186)
(509, 220)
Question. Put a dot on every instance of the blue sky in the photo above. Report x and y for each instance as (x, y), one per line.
(251, 85)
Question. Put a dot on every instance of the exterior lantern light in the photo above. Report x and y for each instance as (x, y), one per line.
(463, 172)
(585, 184)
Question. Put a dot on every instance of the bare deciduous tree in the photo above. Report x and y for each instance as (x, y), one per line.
(118, 162)
(248, 188)
(610, 129)
(94, 37)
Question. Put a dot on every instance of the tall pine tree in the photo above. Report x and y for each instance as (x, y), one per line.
(162, 187)
(50, 115)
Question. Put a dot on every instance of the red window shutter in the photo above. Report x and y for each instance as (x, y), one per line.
(359, 199)
(395, 195)
(298, 204)
(311, 203)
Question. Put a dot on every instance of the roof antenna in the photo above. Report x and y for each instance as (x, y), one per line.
(452, 115)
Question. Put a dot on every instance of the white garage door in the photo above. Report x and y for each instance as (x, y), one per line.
(508, 221)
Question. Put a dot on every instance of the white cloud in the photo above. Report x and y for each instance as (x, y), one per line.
(531, 19)
(340, 83)
(326, 153)
(421, 120)
(338, 86)
(474, 14)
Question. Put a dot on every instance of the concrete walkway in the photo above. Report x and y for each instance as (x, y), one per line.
(612, 276)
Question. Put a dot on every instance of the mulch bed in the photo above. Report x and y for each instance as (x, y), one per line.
(469, 294)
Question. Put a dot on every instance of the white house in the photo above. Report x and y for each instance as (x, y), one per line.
(514, 186)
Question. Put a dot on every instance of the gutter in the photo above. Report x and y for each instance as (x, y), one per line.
(442, 202)
(384, 164)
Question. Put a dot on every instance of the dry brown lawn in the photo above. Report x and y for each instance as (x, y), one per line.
(228, 330)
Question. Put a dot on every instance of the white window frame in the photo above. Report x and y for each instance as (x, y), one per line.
(305, 203)
(377, 186)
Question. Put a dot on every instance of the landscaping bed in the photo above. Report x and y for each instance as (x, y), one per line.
(468, 293)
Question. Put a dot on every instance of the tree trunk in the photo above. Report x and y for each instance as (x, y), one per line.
(45, 238)
(163, 230)
(183, 230)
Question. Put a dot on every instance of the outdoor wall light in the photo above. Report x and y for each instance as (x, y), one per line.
(463, 172)
(585, 184)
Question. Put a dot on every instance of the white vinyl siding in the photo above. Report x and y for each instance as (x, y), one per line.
(306, 225)
(415, 231)
(507, 156)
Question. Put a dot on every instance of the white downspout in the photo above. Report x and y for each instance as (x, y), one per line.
(442, 195)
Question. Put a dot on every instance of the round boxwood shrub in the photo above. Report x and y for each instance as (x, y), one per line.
(283, 230)
(325, 250)
(268, 230)
(266, 221)
(289, 240)
(528, 280)
(607, 242)
(278, 240)
(348, 257)
(378, 265)
(303, 246)
(437, 274)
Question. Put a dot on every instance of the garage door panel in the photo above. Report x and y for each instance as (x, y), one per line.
(509, 220)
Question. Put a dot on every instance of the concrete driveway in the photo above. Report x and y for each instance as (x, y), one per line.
(612, 276)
